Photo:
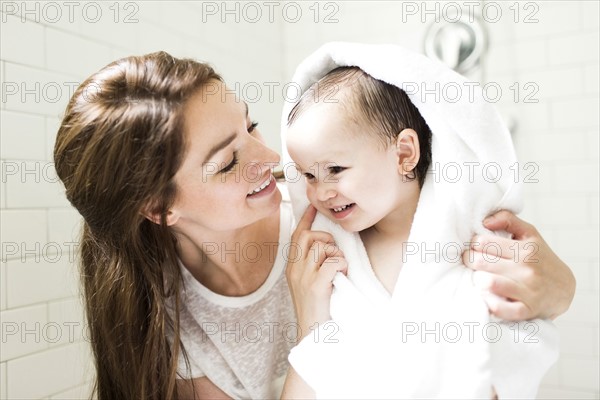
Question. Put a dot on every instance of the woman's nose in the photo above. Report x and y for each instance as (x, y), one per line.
(263, 158)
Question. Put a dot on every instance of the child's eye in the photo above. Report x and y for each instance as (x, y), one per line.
(232, 164)
(336, 169)
(252, 126)
(309, 176)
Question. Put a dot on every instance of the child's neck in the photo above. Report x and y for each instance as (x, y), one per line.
(384, 240)
(397, 224)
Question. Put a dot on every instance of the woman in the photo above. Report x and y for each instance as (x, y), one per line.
(184, 238)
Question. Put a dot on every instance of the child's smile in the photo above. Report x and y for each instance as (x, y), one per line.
(351, 177)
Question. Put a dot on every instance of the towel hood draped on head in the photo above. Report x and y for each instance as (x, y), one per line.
(473, 174)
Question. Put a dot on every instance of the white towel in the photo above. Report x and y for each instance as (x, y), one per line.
(433, 337)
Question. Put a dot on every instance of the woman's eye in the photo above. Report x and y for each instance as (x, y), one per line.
(252, 126)
(232, 164)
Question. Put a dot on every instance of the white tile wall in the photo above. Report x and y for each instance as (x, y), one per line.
(23, 226)
(21, 134)
(560, 133)
(22, 331)
(2, 286)
(590, 11)
(89, 57)
(36, 90)
(580, 372)
(47, 275)
(2, 105)
(30, 48)
(573, 115)
(3, 392)
(34, 185)
(75, 393)
(579, 341)
(52, 125)
(2, 187)
(57, 368)
(68, 315)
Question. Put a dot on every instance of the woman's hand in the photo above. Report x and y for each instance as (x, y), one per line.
(527, 272)
(313, 261)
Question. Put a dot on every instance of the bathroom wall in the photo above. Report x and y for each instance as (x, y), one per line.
(560, 134)
(47, 49)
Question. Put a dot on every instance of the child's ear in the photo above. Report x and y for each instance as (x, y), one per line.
(407, 150)
(154, 216)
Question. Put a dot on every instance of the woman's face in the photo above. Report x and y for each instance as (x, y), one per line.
(225, 181)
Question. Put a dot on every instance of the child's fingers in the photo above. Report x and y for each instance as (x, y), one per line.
(308, 239)
(319, 252)
(302, 241)
(305, 221)
(329, 268)
(332, 250)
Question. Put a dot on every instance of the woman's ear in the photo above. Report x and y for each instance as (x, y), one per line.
(172, 216)
(407, 151)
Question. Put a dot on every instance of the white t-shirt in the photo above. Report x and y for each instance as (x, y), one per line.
(241, 343)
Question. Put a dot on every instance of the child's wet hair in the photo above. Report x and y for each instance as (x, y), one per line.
(384, 107)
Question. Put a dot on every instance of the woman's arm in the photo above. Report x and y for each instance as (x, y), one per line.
(296, 388)
(528, 273)
(199, 389)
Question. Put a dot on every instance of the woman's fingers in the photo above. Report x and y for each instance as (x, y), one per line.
(506, 309)
(479, 261)
(498, 285)
(499, 292)
(543, 285)
(509, 222)
(494, 246)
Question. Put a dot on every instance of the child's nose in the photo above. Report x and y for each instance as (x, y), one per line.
(325, 192)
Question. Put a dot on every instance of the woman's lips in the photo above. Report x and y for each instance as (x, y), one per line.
(266, 188)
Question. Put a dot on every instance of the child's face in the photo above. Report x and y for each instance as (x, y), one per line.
(350, 177)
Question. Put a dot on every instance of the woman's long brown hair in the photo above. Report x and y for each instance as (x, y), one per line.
(117, 151)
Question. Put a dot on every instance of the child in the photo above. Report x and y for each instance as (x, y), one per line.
(364, 150)
(364, 154)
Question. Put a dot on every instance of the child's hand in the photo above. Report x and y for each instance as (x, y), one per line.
(313, 261)
(527, 272)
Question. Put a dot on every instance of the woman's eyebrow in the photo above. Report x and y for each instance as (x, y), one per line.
(220, 146)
